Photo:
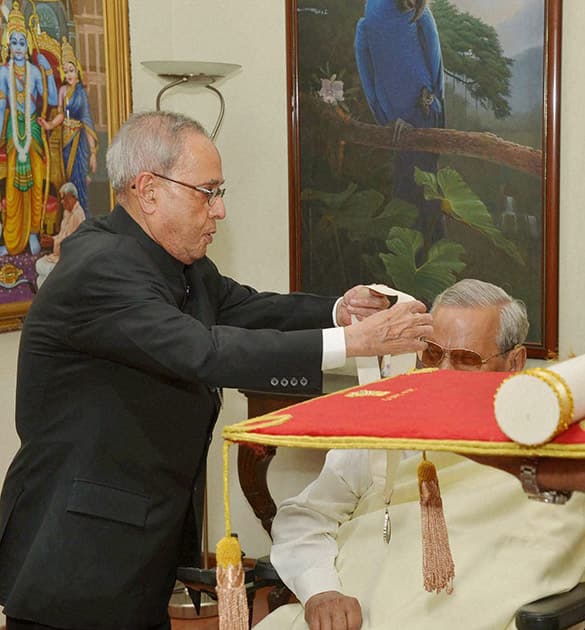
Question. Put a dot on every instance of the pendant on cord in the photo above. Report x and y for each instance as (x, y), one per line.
(387, 530)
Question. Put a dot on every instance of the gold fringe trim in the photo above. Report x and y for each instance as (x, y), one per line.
(465, 447)
(262, 422)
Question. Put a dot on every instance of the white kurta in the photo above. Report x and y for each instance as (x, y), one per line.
(507, 550)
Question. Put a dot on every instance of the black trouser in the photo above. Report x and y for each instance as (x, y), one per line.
(18, 624)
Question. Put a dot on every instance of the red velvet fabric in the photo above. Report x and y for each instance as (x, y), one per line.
(440, 405)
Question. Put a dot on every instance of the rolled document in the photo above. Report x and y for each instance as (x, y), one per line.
(369, 368)
(535, 405)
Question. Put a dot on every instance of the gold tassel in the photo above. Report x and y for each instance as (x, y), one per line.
(231, 588)
(438, 566)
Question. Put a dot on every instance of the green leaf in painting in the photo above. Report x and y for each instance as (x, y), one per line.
(360, 214)
(331, 200)
(434, 275)
(460, 203)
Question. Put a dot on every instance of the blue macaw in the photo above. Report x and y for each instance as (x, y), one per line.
(399, 60)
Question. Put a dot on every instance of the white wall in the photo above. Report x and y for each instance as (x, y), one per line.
(8, 437)
(572, 206)
(252, 244)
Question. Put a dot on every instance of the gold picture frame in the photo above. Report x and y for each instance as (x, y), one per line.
(109, 32)
(341, 159)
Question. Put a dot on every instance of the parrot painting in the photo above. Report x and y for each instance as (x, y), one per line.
(399, 60)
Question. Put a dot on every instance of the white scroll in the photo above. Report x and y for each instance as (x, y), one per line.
(535, 405)
(369, 368)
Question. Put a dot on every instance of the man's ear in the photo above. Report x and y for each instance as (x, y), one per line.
(145, 191)
(516, 359)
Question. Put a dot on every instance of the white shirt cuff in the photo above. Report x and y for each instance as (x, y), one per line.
(317, 580)
(333, 348)
(334, 311)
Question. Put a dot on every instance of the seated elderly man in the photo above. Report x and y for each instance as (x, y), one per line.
(328, 544)
(73, 217)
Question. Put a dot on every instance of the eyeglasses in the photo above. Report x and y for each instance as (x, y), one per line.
(460, 358)
(212, 193)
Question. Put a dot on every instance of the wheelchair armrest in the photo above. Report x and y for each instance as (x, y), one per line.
(265, 573)
(197, 575)
(207, 577)
(554, 612)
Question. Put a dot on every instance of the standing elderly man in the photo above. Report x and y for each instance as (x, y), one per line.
(328, 545)
(122, 358)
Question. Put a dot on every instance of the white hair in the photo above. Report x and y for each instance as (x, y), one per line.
(476, 293)
(149, 141)
(69, 187)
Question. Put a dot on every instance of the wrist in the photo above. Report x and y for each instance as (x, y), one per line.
(531, 484)
(561, 474)
(355, 342)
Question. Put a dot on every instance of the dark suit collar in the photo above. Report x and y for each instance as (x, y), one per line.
(123, 223)
(171, 268)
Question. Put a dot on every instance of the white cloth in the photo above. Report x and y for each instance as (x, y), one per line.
(43, 267)
(70, 222)
(507, 549)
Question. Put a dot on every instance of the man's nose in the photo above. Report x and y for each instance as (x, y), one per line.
(217, 210)
(445, 363)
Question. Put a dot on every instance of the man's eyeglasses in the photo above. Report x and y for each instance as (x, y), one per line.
(212, 193)
(460, 358)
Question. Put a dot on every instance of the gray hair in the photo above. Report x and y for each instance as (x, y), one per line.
(69, 187)
(149, 141)
(476, 293)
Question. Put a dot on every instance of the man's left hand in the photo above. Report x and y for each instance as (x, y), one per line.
(332, 610)
(361, 302)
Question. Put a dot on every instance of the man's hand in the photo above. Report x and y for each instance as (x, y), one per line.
(361, 302)
(332, 610)
(394, 331)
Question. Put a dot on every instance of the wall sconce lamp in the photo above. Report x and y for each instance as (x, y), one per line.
(202, 73)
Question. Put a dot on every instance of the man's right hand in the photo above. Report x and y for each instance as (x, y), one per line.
(394, 331)
(332, 610)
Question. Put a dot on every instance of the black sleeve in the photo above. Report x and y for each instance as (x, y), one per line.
(124, 312)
